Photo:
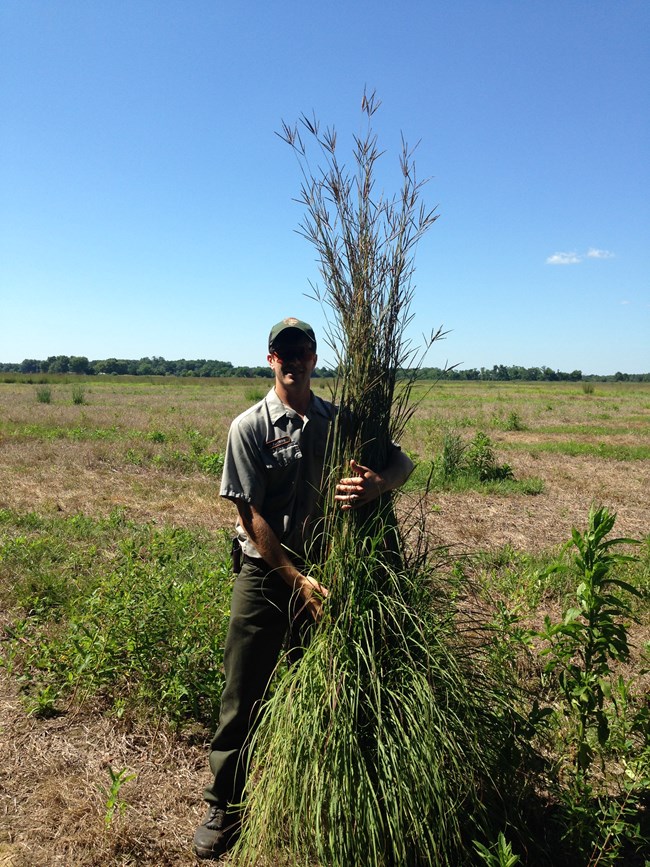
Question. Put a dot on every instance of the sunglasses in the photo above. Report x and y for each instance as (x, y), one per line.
(293, 353)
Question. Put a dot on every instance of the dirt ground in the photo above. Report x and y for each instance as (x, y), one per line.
(52, 772)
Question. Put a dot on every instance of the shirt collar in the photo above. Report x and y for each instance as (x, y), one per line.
(277, 409)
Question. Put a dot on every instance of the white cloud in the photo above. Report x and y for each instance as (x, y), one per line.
(564, 259)
(576, 258)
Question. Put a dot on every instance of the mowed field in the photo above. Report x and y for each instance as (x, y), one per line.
(149, 450)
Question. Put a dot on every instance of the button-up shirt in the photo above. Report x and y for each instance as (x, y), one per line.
(274, 461)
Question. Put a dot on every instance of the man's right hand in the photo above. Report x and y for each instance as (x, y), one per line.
(312, 595)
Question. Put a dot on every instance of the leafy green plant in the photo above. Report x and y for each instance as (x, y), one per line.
(498, 855)
(211, 463)
(135, 457)
(514, 422)
(605, 800)
(480, 460)
(114, 802)
(592, 634)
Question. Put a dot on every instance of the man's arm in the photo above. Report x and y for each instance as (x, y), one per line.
(366, 485)
(274, 555)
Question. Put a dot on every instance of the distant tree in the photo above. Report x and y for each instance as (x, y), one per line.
(145, 367)
(115, 366)
(58, 364)
(79, 364)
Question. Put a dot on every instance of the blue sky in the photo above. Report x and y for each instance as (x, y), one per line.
(146, 204)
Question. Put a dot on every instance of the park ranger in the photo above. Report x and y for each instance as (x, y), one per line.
(273, 473)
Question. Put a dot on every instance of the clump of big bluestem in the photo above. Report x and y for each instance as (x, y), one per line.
(381, 747)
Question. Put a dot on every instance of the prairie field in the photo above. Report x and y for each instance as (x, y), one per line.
(107, 483)
(136, 446)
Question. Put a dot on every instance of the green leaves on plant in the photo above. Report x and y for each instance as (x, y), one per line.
(114, 803)
(499, 855)
(592, 634)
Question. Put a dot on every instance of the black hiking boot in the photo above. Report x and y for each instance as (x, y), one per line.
(217, 833)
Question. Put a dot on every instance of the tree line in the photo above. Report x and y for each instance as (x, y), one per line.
(202, 367)
(155, 366)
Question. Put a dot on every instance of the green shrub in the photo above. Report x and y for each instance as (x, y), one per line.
(514, 422)
(211, 463)
(480, 460)
(604, 763)
(474, 460)
(78, 395)
(592, 634)
(44, 394)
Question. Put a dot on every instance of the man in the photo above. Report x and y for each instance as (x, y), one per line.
(273, 474)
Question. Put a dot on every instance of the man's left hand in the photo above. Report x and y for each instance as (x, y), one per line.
(357, 490)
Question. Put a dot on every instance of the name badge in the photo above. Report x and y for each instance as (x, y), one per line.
(278, 444)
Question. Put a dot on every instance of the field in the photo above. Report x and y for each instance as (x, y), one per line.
(104, 473)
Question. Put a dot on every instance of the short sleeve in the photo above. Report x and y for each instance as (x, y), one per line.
(243, 476)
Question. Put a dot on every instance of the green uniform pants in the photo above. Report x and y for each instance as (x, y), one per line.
(262, 616)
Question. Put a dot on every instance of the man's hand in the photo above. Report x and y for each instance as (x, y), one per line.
(362, 487)
(312, 594)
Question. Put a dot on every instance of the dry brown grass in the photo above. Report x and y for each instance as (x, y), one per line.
(51, 808)
(474, 521)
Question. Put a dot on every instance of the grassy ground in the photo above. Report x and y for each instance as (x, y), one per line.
(120, 490)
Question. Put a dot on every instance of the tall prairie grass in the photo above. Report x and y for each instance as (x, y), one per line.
(385, 745)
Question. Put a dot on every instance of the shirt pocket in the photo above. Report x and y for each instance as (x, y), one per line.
(284, 455)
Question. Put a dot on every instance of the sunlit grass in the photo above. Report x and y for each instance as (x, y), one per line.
(605, 451)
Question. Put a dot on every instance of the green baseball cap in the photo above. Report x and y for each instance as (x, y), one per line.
(303, 329)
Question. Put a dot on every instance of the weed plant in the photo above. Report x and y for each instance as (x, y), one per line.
(592, 634)
(514, 422)
(604, 781)
(584, 711)
(114, 802)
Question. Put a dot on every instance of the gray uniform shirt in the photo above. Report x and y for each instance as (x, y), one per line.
(274, 461)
